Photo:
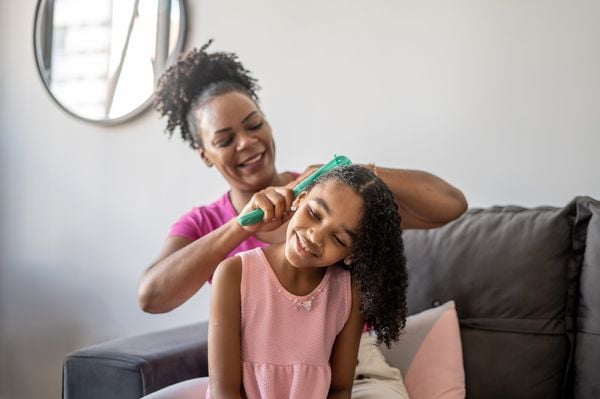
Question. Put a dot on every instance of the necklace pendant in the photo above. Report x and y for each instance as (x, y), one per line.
(307, 305)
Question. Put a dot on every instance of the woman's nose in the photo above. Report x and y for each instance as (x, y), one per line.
(245, 140)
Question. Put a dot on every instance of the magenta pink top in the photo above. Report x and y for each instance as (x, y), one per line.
(286, 340)
(201, 220)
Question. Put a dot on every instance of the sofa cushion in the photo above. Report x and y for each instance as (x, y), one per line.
(429, 354)
(587, 348)
(511, 272)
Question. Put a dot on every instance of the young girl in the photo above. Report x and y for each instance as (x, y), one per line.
(286, 320)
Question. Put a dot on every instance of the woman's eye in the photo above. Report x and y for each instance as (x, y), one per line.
(313, 214)
(256, 126)
(224, 143)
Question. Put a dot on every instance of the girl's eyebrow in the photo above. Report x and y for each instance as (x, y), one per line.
(323, 205)
(228, 129)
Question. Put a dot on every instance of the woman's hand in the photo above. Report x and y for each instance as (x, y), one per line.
(276, 203)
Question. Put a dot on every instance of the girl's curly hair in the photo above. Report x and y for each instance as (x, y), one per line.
(194, 79)
(377, 253)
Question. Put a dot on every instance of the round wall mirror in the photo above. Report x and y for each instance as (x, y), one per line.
(100, 59)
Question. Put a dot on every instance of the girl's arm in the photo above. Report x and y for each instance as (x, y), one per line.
(345, 352)
(224, 348)
(424, 200)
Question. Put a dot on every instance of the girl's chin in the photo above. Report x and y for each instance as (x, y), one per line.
(293, 258)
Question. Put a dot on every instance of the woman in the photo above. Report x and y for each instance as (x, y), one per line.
(211, 98)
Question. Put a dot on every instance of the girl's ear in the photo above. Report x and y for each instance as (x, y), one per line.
(347, 261)
(204, 157)
(298, 200)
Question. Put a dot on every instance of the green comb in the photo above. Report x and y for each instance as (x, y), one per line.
(257, 215)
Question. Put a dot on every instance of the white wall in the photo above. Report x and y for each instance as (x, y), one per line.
(499, 97)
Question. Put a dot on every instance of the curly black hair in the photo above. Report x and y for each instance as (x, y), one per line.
(197, 77)
(377, 253)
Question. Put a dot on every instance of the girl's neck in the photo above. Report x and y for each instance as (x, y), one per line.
(297, 281)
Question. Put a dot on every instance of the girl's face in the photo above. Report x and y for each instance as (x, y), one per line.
(237, 140)
(321, 231)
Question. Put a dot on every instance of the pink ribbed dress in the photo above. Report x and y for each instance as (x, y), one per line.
(286, 339)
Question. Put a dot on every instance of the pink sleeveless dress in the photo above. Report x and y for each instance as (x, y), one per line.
(286, 340)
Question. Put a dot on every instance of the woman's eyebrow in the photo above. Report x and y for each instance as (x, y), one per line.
(229, 129)
(224, 130)
(249, 116)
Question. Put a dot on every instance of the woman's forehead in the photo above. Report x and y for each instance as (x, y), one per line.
(226, 110)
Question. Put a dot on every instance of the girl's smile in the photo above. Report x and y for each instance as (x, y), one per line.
(305, 248)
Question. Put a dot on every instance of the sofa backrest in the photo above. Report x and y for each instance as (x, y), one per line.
(514, 274)
(586, 366)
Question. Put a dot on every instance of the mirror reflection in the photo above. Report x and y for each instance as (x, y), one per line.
(100, 59)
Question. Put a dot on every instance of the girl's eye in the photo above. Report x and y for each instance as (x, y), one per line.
(313, 214)
(337, 239)
(255, 127)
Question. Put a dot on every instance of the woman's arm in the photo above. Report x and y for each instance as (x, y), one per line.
(184, 265)
(345, 352)
(424, 200)
(224, 348)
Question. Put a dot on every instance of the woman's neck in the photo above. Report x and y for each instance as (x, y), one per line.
(298, 281)
(240, 198)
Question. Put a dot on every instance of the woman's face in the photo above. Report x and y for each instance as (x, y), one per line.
(322, 229)
(237, 140)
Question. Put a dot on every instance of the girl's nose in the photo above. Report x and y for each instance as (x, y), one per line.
(316, 236)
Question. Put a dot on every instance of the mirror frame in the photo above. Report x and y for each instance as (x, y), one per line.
(177, 50)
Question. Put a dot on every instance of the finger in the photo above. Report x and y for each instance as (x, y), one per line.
(262, 202)
(288, 195)
(278, 202)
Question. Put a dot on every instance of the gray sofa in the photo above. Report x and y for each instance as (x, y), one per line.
(526, 283)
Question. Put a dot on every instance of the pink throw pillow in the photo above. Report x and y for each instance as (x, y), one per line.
(429, 354)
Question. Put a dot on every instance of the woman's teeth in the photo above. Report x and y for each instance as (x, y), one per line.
(253, 159)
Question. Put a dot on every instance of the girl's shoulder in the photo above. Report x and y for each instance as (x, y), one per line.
(228, 273)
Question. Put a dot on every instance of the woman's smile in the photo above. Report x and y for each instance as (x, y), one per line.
(254, 162)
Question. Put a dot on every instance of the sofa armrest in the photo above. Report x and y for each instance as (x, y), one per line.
(129, 368)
